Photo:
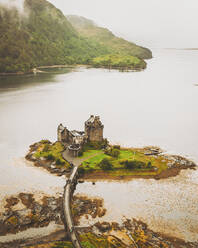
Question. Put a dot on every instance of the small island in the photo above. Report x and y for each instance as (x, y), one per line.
(97, 159)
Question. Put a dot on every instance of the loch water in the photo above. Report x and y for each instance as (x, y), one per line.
(157, 106)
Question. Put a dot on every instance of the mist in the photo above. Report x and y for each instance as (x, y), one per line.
(19, 4)
(150, 23)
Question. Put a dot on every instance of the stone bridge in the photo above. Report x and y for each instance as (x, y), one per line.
(67, 196)
(68, 192)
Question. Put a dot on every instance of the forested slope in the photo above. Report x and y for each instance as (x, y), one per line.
(88, 29)
(41, 36)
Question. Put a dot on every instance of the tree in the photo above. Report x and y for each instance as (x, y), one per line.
(134, 164)
(105, 164)
(149, 165)
(115, 153)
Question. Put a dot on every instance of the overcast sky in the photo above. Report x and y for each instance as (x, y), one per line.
(153, 23)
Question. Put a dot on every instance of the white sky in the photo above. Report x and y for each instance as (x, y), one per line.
(152, 23)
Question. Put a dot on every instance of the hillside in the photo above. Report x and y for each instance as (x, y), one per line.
(40, 36)
(88, 29)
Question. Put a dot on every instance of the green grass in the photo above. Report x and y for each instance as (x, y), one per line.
(90, 153)
(91, 164)
(90, 240)
(52, 152)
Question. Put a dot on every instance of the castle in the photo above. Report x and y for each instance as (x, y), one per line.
(74, 140)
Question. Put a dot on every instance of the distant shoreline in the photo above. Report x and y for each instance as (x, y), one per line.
(37, 69)
(190, 49)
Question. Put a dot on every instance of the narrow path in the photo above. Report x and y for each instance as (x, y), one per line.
(68, 192)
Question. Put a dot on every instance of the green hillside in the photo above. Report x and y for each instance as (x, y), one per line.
(88, 29)
(42, 36)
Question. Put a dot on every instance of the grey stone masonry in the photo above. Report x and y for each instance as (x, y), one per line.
(74, 140)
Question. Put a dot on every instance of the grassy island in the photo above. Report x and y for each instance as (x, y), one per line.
(101, 161)
(116, 162)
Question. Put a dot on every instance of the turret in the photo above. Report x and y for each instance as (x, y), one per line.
(94, 129)
(60, 131)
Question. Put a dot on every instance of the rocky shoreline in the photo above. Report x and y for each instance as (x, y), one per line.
(49, 165)
(133, 233)
(178, 164)
(23, 211)
(175, 165)
(87, 66)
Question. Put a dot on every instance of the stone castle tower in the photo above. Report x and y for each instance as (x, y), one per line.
(94, 129)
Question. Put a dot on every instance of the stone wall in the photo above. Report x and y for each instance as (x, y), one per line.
(95, 134)
(64, 135)
(94, 129)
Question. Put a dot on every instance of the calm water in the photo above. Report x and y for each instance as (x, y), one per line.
(168, 206)
(155, 107)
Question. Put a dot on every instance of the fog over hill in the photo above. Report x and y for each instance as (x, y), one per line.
(150, 23)
(19, 4)
(89, 29)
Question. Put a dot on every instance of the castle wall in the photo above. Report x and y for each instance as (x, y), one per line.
(94, 129)
(59, 135)
(95, 134)
(64, 135)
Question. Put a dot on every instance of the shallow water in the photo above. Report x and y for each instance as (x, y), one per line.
(32, 233)
(157, 106)
(169, 206)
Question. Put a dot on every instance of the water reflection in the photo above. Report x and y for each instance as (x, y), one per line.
(18, 82)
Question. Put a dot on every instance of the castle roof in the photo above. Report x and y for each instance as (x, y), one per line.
(77, 133)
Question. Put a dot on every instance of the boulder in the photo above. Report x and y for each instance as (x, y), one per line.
(103, 227)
